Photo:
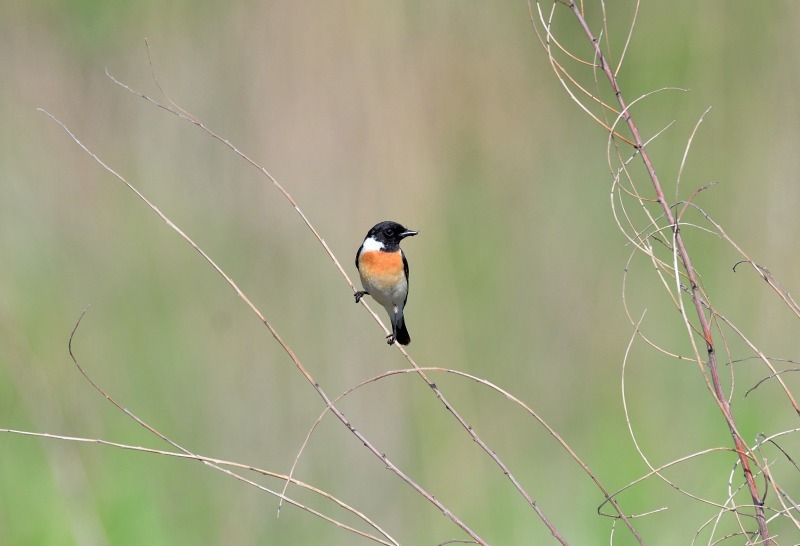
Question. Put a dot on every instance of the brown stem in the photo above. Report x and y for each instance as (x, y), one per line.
(339, 415)
(719, 394)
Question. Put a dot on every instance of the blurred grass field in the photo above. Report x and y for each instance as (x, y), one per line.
(444, 116)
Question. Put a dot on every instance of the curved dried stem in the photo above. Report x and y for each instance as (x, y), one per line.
(363, 439)
(763, 272)
(181, 113)
(653, 470)
(628, 38)
(775, 285)
(561, 73)
(608, 498)
(677, 274)
(217, 464)
(686, 154)
(682, 253)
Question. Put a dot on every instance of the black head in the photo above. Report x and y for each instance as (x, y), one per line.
(389, 233)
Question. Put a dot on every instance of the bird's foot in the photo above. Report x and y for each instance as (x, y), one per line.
(360, 294)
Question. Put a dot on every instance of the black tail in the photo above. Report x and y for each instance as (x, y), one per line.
(400, 332)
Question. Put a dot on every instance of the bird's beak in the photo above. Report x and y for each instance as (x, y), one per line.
(408, 233)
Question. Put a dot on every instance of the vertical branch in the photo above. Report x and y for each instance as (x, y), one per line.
(705, 327)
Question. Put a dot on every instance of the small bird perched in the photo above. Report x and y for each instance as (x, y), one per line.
(384, 274)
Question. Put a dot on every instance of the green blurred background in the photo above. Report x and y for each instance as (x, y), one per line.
(444, 116)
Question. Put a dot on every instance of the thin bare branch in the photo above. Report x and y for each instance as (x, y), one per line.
(181, 113)
(682, 252)
(375, 451)
(217, 464)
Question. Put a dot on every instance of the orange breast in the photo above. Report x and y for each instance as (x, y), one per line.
(383, 276)
(377, 263)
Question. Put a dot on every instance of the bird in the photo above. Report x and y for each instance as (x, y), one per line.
(383, 269)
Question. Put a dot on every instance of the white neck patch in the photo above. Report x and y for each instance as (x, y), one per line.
(371, 243)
